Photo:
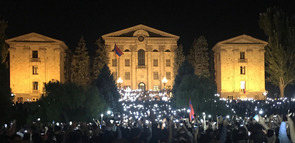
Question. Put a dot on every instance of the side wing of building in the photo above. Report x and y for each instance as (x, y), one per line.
(34, 60)
(239, 67)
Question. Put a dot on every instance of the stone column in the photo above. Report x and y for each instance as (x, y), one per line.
(162, 64)
(149, 67)
(133, 67)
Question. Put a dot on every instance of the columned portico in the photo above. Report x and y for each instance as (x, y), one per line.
(136, 68)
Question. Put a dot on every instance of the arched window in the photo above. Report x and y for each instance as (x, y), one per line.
(167, 50)
(141, 57)
(126, 50)
(155, 50)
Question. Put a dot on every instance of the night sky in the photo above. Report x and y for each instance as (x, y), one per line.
(67, 20)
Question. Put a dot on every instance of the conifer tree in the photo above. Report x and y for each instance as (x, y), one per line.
(108, 89)
(199, 57)
(5, 93)
(178, 59)
(80, 65)
(101, 58)
(280, 52)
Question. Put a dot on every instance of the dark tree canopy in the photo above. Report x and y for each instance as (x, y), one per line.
(5, 93)
(108, 89)
(199, 57)
(69, 102)
(178, 59)
(80, 71)
(101, 58)
(280, 52)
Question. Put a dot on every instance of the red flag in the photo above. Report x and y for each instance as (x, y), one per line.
(117, 51)
(191, 113)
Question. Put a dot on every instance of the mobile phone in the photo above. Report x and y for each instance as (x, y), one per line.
(256, 118)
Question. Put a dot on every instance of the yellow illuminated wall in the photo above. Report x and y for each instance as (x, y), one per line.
(239, 67)
(34, 60)
(158, 47)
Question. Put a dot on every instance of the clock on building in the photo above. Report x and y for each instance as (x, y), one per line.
(140, 38)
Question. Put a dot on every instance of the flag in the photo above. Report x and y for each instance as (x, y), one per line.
(117, 51)
(191, 113)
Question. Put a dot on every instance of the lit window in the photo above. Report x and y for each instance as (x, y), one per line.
(127, 62)
(114, 62)
(168, 75)
(35, 85)
(34, 54)
(35, 70)
(243, 70)
(156, 76)
(127, 75)
(242, 55)
(155, 62)
(243, 86)
(141, 57)
(168, 63)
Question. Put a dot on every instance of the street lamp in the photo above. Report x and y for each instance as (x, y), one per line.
(164, 81)
(119, 81)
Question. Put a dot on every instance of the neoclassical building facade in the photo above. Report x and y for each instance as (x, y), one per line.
(239, 67)
(148, 57)
(35, 59)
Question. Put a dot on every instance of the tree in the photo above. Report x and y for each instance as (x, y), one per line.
(280, 54)
(101, 58)
(178, 59)
(199, 57)
(185, 69)
(5, 93)
(80, 65)
(69, 102)
(108, 89)
(4, 47)
(202, 92)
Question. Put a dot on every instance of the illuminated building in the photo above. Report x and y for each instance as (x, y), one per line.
(34, 60)
(239, 67)
(148, 57)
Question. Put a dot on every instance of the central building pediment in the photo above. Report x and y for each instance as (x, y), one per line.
(140, 30)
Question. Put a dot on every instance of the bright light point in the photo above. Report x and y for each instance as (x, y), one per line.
(38, 119)
(227, 116)
(209, 116)
(109, 112)
(71, 123)
(260, 112)
(188, 110)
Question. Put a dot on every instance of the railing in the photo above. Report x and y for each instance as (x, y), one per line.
(242, 60)
(141, 66)
(35, 60)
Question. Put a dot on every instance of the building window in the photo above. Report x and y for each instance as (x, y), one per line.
(114, 62)
(127, 75)
(141, 57)
(168, 63)
(156, 88)
(35, 70)
(243, 70)
(243, 86)
(35, 85)
(168, 75)
(156, 76)
(127, 62)
(242, 55)
(35, 54)
(155, 62)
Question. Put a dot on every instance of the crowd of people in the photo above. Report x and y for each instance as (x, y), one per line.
(257, 129)
(155, 121)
